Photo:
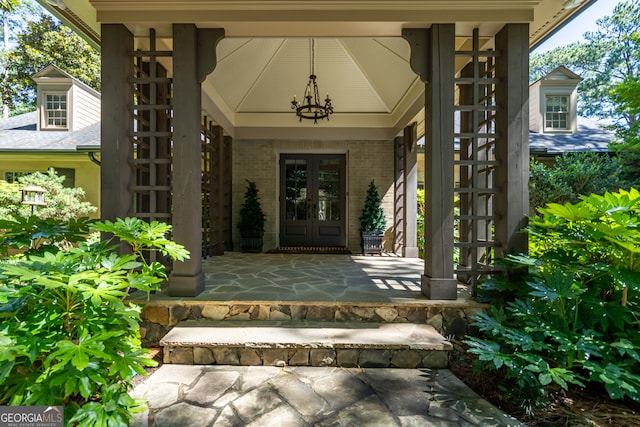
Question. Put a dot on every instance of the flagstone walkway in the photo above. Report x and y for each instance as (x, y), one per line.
(264, 396)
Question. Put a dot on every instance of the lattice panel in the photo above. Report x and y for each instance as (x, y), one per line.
(152, 137)
(477, 135)
(216, 190)
(209, 165)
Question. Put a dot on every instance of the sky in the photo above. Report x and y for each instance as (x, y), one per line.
(573, 31)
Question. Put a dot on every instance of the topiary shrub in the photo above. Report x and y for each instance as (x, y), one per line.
(372, 217)
(252, 217)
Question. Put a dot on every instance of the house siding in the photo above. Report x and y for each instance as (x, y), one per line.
(258, 161)
(535, 109)
(86, 108)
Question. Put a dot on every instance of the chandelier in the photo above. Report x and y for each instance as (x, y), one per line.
(310, 108)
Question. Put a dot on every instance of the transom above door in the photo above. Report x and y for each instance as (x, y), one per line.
(312, 200)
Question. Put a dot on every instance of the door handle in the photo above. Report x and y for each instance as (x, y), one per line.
(308, 208)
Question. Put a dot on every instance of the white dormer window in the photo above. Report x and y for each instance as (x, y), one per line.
(55, 112)
(556, 113)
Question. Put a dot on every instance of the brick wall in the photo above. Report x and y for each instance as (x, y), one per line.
(257, 161)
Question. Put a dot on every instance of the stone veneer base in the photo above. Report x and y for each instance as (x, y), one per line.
(449, 318)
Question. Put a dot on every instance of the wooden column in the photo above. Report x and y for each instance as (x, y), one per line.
(433, 58)
(410, 181)
(398, 190)
(512, 145)
(228, 193)
(186, 278)
(116, 200)
(219, 194)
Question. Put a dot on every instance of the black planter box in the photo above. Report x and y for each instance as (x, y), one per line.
(372, 242)
(251, 244)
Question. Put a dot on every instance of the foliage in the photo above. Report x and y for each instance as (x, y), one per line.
(37, 236)
(252, 217)
(13, 15)
(8, 5)
(571, 175)
(568, 314)
(42, 43)
(608, 56)
(626, 96)
(68, 336)
(420, 225)
(372, 217)
(61, 202)
(420, 219)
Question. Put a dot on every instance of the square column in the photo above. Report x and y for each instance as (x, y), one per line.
(438, 281)
(512, 145)
(186, 278)
(116, 199)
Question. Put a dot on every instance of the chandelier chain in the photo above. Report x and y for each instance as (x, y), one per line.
(312, 57)
(311, 108)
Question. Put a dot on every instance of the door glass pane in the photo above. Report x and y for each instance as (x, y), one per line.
(329, 190)
(296, 189)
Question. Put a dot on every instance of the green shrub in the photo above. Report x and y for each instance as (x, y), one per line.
(61, 202)
(36, 235)
(568, 313)
(573, 174)
(68, 335)
(420, 220)
(372, 217)
(252, 217)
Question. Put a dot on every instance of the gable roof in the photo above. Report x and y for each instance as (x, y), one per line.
(54, 73)
(560, 71)
(19, 133)
(51, 70)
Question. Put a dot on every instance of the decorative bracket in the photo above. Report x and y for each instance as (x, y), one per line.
(419, 41)
(208, 39)
(411, 136)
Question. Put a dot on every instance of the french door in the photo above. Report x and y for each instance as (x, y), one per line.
(312, 200)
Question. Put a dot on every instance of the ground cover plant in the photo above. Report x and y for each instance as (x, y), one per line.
(567, 316)
(69, 336)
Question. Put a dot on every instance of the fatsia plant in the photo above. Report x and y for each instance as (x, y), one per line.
(69, 336)
(569, 313)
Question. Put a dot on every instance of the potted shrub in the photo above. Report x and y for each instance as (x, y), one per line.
(372, 222)
(252, 219)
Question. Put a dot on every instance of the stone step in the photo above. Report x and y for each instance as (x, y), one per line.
(345, 344)
(450, 318)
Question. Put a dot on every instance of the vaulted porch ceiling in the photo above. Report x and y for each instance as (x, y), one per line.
(361, 60)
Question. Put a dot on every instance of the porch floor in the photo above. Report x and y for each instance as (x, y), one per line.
(313, 278)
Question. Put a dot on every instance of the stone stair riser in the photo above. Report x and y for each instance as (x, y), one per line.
(342, 357)
(449, 319)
